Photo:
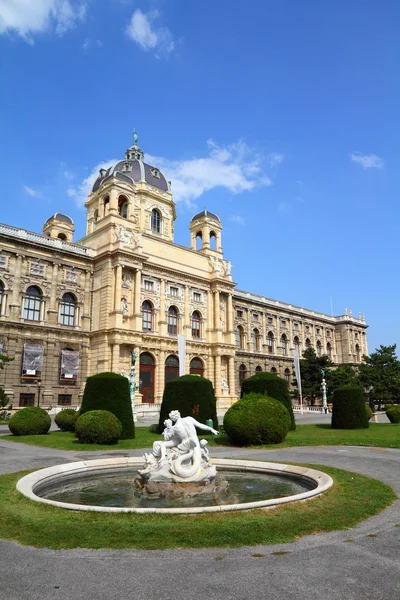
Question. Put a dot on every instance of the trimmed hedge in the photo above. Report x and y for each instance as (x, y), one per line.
(255, 420)
(349, 409)
(369, 411)
(270, 385)
(193, 396)
(31, 420)
(66, 419)
(98, 427)
(110, 391)
(393, 414)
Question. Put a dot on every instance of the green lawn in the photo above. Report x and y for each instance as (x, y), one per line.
(352, 499)
(379, 435)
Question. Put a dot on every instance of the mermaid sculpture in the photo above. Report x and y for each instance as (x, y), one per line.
(181, 457)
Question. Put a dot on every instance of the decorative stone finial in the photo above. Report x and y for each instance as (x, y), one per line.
(135, 138)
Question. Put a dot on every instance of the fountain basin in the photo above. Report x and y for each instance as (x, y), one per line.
(48, 477)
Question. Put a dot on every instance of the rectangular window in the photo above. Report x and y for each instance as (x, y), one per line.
(69, 366)
(283, 322)
(32, 361)
(71, 276)
(270, 320)
(37, 269)
(255, 316)
(148, 285)
(64, 399)
(26, 400)
(3, 262)
(196, 297)
(295, 325)
(239, 313)
(32, 308)
(173, 291)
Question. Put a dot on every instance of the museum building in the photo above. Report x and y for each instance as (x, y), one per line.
(69, 310)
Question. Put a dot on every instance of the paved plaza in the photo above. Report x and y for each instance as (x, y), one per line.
(320, 567)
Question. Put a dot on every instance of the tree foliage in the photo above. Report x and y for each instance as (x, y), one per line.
(344, 375)
(311, 376)
(381, 371)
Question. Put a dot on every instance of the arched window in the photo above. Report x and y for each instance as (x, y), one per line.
(147, 316)
(240, 338)
(255, 340)
(199, 240)
(329, 349)
(287, 375)
(358, 353)
(284, 344)
(171, 368)
(155, 221)
(308, 343)
(62, 236)
(106, 203)
(123, 206)
(258, 369)
(273, 370)
(1, 296)
(32, 302)
(196, 323)
(296, 344)
(242, 374)
(196, 367)
(172, 320)
(319, 348)
(213, 240)
(67, 310)
(270, 342)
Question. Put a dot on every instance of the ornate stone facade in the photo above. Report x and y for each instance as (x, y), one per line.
(126, 285)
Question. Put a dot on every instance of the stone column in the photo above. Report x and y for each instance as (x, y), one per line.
(115, 358)
(162, 330)
(16, 305)
(117, 287)
(86, 316)
(161, 374)
(186, 317)
(138, 289)
(209, 322)
(217, 375)
(230, 326)
(216, 310)
(249, 346)
(231, 376)
(3, 304)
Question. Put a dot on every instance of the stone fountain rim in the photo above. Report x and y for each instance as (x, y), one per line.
(26, 485)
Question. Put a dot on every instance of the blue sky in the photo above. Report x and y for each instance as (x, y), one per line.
(280, 116)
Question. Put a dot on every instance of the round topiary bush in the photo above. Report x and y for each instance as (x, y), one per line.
(269, 384)
(369, 411)
(193, 396)
(255, 420)
(393, 414)
(98, 427)
(32, 420)
(110, 391)
(349, 409)
(66, 419)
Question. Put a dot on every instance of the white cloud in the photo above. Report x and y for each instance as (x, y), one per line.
(29, 17)
(31, 192)
(141, 30)
(275, 159)
(237, 219)
(283, 208)
(89, 43)
(367, 161)
(68, 174)
(81, 192)
(234, 167)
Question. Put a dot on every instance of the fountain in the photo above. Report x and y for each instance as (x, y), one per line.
(177, 477)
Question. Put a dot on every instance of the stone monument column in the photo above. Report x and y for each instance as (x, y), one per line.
(117, 286)
(217, 377)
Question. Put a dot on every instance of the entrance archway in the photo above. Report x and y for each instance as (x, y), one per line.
(196, 367)
(147, 371)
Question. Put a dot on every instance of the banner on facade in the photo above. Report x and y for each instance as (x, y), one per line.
(182, 354)
(296, 360)
(69, 364)
(33, 359)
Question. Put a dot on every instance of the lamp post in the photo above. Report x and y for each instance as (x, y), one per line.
(38, 385)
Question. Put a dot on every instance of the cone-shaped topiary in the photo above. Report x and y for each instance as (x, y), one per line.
(255, 420)
(393, 414)
(271, 385)
(31, 420)
(349, 409)
(110, 391)
(98, 427)
(193, 396)
(66, 419)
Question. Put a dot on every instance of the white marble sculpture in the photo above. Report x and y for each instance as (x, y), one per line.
(181, 457)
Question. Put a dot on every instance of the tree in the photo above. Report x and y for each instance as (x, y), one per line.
(5, 359)
(381, 372)
(344, 375)
(311, 377)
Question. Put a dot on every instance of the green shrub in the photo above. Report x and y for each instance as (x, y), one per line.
(193, 396)
(32, 420)
(110, 391)
(369, 411)
(255, 420)
(271, 385)
(98, 427)
(393, 414)
(66, 419)
(349, 409)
